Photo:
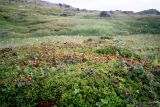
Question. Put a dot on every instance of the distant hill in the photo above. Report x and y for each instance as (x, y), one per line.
(149, 11)
(21, 8)
(27, 18)
(39, 3)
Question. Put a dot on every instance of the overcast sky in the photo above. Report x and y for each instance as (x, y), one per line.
(133, 5)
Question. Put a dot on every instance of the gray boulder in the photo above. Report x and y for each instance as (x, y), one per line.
(4, 34)
(18, 15)
(105, 14)
(67, 14)
(64, 14)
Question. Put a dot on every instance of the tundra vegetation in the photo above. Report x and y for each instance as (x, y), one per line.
(64, 56)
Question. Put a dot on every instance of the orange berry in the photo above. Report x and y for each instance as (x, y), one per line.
(29, 78)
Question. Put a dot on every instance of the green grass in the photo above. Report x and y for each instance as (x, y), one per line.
(80, 60)
(36, 22)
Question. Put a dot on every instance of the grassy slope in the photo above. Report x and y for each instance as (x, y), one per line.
(36, 22)
(53, 71)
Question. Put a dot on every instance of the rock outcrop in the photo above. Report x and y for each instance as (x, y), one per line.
(106, 14)
(149, 11)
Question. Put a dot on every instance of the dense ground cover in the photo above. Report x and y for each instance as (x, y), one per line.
(93, 72)
(83, 60)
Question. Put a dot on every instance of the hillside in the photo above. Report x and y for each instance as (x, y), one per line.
(56, 55)
(26, 20)
(149, 11)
